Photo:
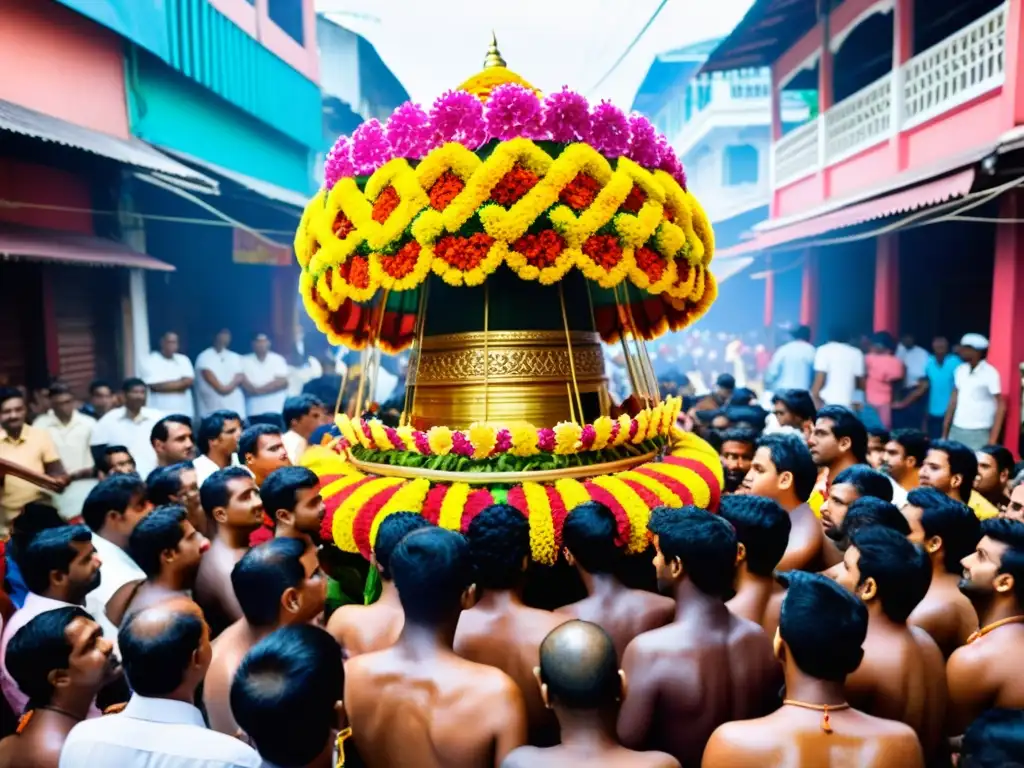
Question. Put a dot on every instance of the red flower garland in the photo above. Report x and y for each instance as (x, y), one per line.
(650, 262)
(599, 494)
(476, 502)
(678, 488)
(464, 253)
(580, 192)
(432, 504)
(404, 260)
(513, 186)
(542, 249)
(356, 271)
(385, 204)
(364, 518)
(605, 250)
(558, 514)
(517, 499)
(331, 505)
(342, 227)
(444, 190)
(634, 200)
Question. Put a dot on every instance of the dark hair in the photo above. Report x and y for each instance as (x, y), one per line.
(9, 393)
(790, 454)
(390, 532)
(798, 402)
(298, 406)
(131, 383)
(432, 568)
(900, 569)
(40, 647)
(162, 433)
(1011, 533)
(165, 482)
(155, 662)
(742, 396)
(846, 424)
(49, 550)
(262, 576)
(591, 533)
(704, 543)
(281, 488)
(154, 534)
(914, 442)
(726, 381)
(762, 526)
(284, 692)
(210, 427)
(250, 439)
(955, 523)
(884, 339)
(870, 511)
(111, 494)
(110, 450)
(823, 625)
(1002, 455)
(499, 541)
(740, 435)
(867, 481)
(962, 461)
(579, 665)
(801, 333)
(215, 493)
(57, 388)
(994, 740)
(99, 384)
(880, 432)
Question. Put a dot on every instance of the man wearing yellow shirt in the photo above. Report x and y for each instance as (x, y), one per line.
(950, 468)
(28, 447)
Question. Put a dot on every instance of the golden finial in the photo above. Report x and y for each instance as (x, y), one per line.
(493, 57)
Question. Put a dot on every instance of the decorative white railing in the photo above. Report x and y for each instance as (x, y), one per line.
(967, 64)
(795, 155)
(960, 68)
(859, 121)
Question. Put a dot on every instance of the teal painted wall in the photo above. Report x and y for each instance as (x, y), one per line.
(170, 110)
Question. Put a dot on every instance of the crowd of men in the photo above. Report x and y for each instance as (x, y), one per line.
(827, 613)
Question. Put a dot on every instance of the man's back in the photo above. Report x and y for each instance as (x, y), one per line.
(363, 629)
(842, 365)
(903, 678)
(228, 651)
(509, 639)
(613, 756)
(436, 712)
(623, 614)
(684, 683)
(793, 738)
(986, 674)
(947, 615)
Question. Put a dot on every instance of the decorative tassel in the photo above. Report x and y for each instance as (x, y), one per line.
(826, 724)
(342, 736)
(23, 721)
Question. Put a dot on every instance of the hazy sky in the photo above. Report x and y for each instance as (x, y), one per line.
(433, 45)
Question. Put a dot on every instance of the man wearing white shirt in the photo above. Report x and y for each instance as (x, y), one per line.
(165, 651)
(112, 511)
(977, 409)
(908, 408)
(169, 375)
(217, 441)
(71, 431)
(266, 379)
(219, 384)
(131, 426)
(792, 365)
(914, 359)
(838, 372)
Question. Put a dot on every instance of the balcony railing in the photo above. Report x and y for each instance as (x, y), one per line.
(962, 67)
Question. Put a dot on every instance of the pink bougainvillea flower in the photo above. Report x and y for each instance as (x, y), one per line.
(458, 116)
(567, 116)
(370, 147)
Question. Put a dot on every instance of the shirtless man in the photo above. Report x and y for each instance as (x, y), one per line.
(168, 550)
(819, 641)
(365, 628)
(902, 676)
(581, 681)
(708, 666)
(762, 529)
(418, 704)
(783, 471)
(851, 484)
(839, 440)
(948, 531)
(985, 673)
(232, 501)
(60, 660)
(904, 455)
(278, 584)
(291, 497)
(500, 630)
(590, 536)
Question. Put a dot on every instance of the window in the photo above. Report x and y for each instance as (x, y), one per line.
(739, 165)
(287, 14)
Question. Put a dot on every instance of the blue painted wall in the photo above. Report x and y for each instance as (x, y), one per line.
(170, 110)
(140, 21)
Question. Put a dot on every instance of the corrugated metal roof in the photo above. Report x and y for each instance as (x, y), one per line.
(27, 122)
(74, 248)
(260, 187)
(769, 29)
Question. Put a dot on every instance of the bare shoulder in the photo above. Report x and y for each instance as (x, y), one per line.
(343, 618)
(740, 744)
(929, 648)
(902, 745)
(570, 611)
(660, 760)
(746, 632)
(524, 757)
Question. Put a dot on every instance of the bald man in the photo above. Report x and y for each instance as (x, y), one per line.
(581, 681)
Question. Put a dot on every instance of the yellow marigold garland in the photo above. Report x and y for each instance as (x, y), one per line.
(440, 440)
(636, 510)
(542, 529)
(452, 506)
(346, 513)
(484, 438)
(573, 493)
(663, 492)
(567, 437)
(689, 478)
(409, 498)
(603, 431)
(380, 437)
(524, 440)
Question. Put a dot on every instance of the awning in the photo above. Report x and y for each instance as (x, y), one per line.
(131, 151)
(910, 199)
(72, 248)
(260, 187)
(725, 268)
(770, 28)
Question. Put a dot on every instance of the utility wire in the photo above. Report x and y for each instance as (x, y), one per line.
(629, 48)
